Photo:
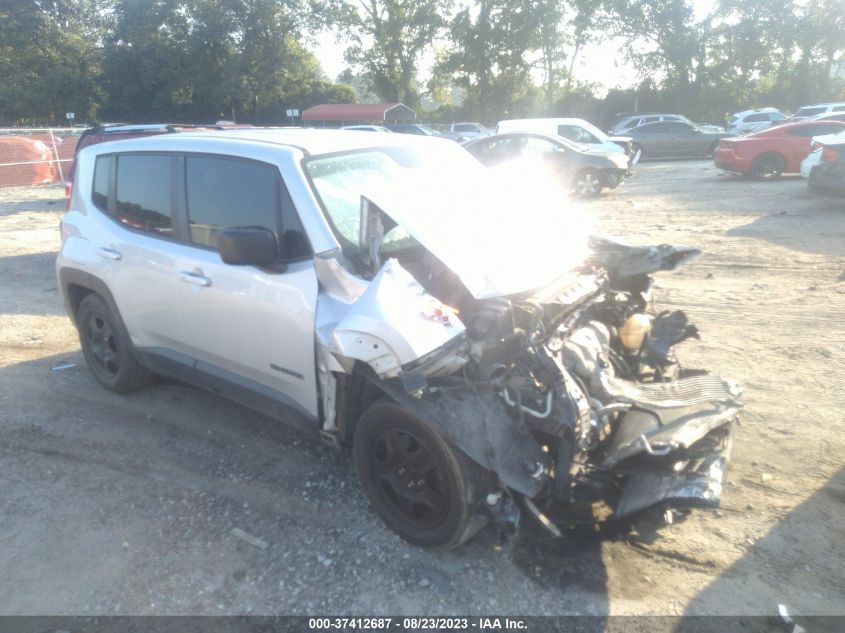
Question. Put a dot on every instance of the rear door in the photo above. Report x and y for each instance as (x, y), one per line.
(681, 139)
(137, 192)
(246, 326)
(656, 139)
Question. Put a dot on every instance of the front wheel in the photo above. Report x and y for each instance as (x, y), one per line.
(588, 183)
(768, 165)
(422, 488)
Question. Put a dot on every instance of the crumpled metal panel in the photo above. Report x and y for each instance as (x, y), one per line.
(701, 488)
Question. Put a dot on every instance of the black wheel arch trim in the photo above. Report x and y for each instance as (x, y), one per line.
(478, 423)
(69, 277)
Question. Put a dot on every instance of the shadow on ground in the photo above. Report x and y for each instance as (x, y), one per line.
(129, 505)
(819, 229)
(32, 274)
(793, 556)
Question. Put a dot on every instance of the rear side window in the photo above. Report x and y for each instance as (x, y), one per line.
(100, 193)
(776, 116)
(143, 193)
(754, 118)
(839, 108)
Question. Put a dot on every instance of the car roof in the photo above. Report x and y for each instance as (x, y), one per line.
(794, 124)
(309, 141)
(823, 105)
(755, 110)
(558, 140)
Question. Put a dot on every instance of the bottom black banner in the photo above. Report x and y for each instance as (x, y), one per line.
(400, 624)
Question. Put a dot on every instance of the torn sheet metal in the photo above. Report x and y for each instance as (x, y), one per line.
(479, 424)
(392, 323)
(699, 487)
(622, 260)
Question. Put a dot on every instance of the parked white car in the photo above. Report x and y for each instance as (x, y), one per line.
(575, 130)
(470, 130)
(815, 155)
(481, 355)
(749, 121)
(805, 112)
(366, 128)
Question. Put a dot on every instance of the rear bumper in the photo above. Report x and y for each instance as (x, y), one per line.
(827, 178)
(728, 162)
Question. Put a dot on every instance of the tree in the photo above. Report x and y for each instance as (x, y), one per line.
(49, 58)
(388, 39)
(489, 58)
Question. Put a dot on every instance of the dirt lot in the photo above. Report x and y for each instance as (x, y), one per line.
(126, 505)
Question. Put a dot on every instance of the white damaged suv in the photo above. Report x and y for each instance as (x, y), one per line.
(483, 357)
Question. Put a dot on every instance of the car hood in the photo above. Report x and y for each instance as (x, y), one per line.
(515, 233)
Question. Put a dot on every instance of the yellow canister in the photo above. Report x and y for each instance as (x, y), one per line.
(633, 331)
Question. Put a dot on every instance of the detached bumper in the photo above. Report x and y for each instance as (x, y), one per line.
(698, 485)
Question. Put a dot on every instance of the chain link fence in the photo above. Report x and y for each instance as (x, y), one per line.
(36, 156)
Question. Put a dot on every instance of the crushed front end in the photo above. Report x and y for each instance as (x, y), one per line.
(574, 395)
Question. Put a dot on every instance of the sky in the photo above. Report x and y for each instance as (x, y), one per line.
(596, 63)
(599, 63)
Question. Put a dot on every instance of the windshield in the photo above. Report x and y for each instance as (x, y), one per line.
(501, 230)
(601, 136)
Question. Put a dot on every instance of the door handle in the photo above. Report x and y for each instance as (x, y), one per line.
(109, 253)
(194, 278)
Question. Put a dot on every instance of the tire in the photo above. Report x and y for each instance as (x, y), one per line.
(420, 486)
(769, 165)
(107, 349)
(588, 183)
(712, 149)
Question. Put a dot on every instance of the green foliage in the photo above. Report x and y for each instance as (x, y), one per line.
(201, 60)
(387, 39)
(159, 60)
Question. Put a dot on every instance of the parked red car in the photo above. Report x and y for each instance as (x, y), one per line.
(773, 151)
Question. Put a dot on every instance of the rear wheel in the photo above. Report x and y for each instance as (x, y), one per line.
(107, 349)
(588, 183)
(422, 488)
(769, 165)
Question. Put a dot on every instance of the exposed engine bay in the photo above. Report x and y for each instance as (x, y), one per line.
(571, 393)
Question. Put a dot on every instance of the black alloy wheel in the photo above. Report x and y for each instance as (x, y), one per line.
(422, 488)
(768, 165)
(107, 348)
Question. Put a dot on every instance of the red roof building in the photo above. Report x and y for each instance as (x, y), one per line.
(358, 112)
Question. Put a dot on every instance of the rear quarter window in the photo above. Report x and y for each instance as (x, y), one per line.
(100, 190)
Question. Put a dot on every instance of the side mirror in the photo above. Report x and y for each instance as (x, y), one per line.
(248, 246)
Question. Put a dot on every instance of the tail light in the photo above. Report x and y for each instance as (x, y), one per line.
(68, 193)
(829, 155)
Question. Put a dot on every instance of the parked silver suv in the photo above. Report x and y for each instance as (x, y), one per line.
(481, 357)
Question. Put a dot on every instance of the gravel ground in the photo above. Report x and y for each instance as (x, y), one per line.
(173, 501)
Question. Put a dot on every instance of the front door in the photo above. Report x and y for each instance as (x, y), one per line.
(251, 327)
